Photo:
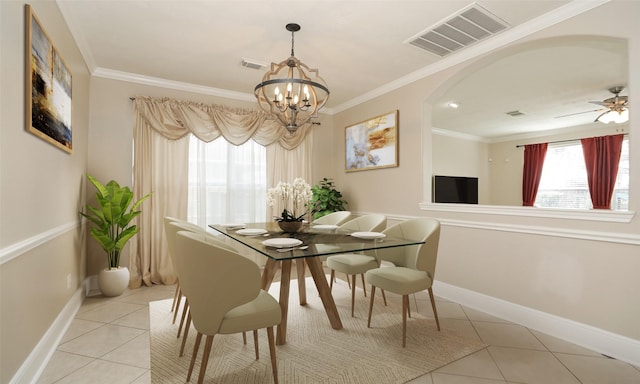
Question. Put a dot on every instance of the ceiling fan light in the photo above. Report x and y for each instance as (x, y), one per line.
(614, 116)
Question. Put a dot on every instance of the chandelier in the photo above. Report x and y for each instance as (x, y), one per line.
(288, 93)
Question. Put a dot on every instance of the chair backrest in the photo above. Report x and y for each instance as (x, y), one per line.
(365, 223)
(422, 257)
(333, 218)
(214, 280)
(172, 226)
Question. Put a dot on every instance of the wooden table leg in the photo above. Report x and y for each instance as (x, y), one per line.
(315, 267)
(302, 286)
(268, 273)
(285, 278)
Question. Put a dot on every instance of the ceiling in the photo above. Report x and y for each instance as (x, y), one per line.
(360, 47)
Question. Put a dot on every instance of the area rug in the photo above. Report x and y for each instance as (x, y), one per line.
(314, 352)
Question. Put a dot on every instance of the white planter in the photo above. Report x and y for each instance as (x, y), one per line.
(114, 281)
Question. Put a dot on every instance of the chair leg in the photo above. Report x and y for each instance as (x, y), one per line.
(255, 343)
(196, 346)
(348, 281)
(405, 310)
(185, 309)
(175, 296)
(272, 353)
(184, 335)
(353, 292)
(384, 298)
(244, 338)
(331, 279)
(364, 286)
(175, 314)
(433, 305)
(205, 358)
(373, 294)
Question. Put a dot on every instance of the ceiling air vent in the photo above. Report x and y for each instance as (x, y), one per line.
(461, 30)
(252, 64)
(515, 113)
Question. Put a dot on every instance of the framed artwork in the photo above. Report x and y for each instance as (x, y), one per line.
(48, 87)
(372, 143)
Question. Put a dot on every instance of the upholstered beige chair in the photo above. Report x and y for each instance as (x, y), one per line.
(413, 267)
(172, 226)
(333, 218)
(223, 289)
(353, 264)
(177, 297)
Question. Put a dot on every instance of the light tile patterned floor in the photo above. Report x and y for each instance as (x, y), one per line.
(108, 342)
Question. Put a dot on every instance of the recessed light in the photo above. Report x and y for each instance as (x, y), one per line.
(453, 104)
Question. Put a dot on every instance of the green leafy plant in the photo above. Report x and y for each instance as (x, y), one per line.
(326, 199)
(112, 218)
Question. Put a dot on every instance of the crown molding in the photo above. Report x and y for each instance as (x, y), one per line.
(170, 84)
(558, 15)
(549, 19)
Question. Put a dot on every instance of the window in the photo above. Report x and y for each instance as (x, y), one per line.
(227, 183)
(563, 183)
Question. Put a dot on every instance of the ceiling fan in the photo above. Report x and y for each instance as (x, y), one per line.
(616, 108)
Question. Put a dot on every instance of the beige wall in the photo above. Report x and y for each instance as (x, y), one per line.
(578, 268)
(41, 191)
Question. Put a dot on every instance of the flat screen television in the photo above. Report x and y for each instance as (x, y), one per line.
(455, 189)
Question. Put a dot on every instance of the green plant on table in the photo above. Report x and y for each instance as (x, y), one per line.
(326, 199)
(112, 218)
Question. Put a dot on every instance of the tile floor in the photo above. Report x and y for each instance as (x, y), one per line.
(108, 342)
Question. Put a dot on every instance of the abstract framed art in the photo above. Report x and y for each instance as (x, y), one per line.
(372, 143)
(47, 88)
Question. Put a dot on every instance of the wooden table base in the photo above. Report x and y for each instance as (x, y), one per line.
(315, 267)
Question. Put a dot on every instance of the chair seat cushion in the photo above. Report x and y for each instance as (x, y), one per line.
(351, 263)
(263, 311)
(400, 280)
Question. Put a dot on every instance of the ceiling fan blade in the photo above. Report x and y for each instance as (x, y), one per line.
(603, 103)
(579, 113)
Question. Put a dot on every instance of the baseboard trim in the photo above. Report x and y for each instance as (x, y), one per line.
(32, 368)
(604, 342)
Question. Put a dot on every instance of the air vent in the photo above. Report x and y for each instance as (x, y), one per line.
(515, 113)
(252, 64)
(461, 30)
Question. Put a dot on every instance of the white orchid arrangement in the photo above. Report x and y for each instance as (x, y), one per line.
(295, 198)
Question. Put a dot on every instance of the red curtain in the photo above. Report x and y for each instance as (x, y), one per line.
(534, 155)
(601, 156)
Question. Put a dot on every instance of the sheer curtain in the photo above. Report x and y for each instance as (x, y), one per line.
(160, 166)
(227, 183)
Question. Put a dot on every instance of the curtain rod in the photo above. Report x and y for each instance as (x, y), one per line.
(560, 141)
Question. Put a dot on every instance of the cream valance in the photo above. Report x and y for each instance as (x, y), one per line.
(174, 119)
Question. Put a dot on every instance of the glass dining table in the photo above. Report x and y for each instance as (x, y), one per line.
(306, 245)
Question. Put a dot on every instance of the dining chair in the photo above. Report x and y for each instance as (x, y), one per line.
(413, 267)
(172, 226)
(353, 264)
(177, 297)
(333, 218)
(223, 289)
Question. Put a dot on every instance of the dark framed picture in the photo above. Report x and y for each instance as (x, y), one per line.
(372, 143)
(48, 87)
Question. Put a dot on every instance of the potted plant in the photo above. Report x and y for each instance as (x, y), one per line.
(112, 230)
(294, 198)
(326, 199)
